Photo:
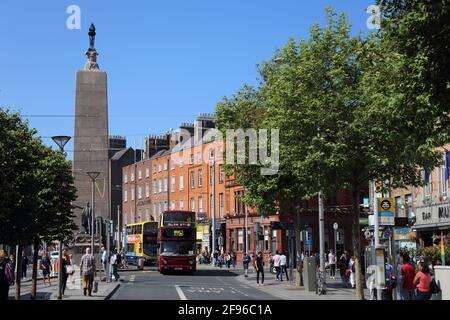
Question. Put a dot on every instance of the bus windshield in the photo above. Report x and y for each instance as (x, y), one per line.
(170, 248)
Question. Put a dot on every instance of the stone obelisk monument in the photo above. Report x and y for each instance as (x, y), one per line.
(91, 136)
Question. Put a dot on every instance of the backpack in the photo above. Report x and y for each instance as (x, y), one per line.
(392, 282)
(119, 259)
(434, 288)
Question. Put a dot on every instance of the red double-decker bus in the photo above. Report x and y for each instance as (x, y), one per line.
(177, 241)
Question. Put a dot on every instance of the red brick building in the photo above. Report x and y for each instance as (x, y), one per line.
(177, 174)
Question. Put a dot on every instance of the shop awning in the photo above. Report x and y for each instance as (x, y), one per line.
(431, 226)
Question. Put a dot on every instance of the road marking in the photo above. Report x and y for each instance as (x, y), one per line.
(132, 278)
(180, 292)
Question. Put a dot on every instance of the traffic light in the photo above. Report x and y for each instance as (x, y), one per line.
(338, 236)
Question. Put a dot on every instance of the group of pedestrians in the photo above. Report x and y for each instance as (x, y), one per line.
(114, 260)
(221, 258)
(346, 265)
(279, 261)
(417, 283)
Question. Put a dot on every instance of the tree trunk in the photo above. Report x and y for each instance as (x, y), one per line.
(299, 278)
(19, 249)
(357, 243)
(35, 260)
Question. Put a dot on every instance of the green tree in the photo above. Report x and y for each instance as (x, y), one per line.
(37, 190)
(342, 120)
(53, 216)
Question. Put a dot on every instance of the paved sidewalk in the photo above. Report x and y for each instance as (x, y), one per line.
(73, 291)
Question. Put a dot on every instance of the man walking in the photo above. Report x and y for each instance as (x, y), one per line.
(408, 273)
(283, 268)
(276, 263)
(332, 263)
(87, 271)
(245, 261)
(24, 265)
(259, 265)
(113, 266)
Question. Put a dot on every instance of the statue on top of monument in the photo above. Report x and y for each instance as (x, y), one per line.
(91, 64)
(92, 34)
(86, 217)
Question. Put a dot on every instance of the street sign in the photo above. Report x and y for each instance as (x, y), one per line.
(386, 212)
(387, 233)
(364, 221)
(401, 221)
(386, 205)
(281, 225)
(335, 226)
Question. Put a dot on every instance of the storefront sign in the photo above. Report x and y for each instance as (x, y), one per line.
(404, 234)
(433, 214)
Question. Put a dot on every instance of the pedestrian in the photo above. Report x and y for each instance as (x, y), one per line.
(332, 264)
(66, 270)
(283, 268)
(228, 255)
(351, 267)
(113, 267)
(390, 282)
(87, 271)
(422, 282)
(259, 265)
(215, 258)
(407, 281)
(104, 259)
(233, 259)
(6, 275)
(343, 270)
(245, 261)
(12, 261)
(24, 265)
(46, 267)
(276, 263)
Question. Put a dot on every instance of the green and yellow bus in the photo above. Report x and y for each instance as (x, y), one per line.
(142, 242)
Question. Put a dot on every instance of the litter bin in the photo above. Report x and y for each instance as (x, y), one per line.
(141, 264)
(309, 273)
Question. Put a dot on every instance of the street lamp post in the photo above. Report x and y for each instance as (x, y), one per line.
(93, 175)
(213, 204)
(321, 234)
(61, 141)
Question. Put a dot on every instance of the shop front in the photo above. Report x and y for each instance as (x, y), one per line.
(431, 221)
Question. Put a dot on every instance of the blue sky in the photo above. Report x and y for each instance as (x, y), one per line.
(166, 60)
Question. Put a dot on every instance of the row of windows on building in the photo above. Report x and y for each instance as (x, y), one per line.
(161, 206)
(442, 183)
(161, 185)
(163, 166)
(405, 206)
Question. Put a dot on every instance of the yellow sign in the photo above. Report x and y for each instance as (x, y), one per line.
(178, 233)
(386, 205)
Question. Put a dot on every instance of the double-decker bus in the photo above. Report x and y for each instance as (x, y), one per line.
(177, 241)
(142, 242)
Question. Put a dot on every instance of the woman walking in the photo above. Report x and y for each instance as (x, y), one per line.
(422, 282)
